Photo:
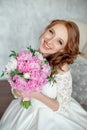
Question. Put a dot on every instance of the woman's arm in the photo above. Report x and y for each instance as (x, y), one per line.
(51, 103)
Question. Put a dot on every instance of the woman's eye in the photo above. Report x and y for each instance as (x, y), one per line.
(50, 31)
(60, 42)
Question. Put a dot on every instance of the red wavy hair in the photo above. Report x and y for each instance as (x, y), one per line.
(72, 47)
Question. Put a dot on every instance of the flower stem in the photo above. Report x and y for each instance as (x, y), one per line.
(25, 104)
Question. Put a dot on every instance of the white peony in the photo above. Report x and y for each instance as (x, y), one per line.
(39, 55)
(12, 65)
(26, 75)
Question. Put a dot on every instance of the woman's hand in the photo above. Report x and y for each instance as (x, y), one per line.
(51, 103)
(18, 93)
(22, 94)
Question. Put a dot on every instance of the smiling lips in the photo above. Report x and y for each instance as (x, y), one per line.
(45, 46)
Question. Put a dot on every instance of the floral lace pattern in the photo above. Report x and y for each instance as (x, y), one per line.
(64, 89)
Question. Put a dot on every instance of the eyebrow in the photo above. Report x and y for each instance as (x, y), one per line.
(51, 28)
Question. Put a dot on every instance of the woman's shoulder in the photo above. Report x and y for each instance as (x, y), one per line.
(64, 74)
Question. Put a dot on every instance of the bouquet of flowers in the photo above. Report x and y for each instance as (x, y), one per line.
(27, 71)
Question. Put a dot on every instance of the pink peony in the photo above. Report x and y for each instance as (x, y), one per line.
(31, 71)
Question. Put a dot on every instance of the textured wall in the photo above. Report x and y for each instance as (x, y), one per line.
(22, 21)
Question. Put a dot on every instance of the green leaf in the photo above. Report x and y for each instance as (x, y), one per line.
(13, 53)
(25, 104)
(3, 73)
(51, 79)
(16, 71)
(13, 73)
(53, 70)
(46, 62)
(20, 74)
(31, 50)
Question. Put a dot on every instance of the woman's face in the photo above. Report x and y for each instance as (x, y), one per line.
(53, 40)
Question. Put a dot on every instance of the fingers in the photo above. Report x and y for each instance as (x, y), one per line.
(18, 92)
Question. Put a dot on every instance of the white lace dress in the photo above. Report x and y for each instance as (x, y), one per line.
(69, 116)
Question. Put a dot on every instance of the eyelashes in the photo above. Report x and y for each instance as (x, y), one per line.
(60, 42)
(51, 31)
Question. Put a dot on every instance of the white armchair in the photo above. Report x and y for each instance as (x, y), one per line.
(79, 68)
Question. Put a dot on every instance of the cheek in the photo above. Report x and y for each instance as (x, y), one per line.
(47, 35)
(57, 47)
(42, 38)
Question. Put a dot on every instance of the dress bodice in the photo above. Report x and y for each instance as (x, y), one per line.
(39, 115)
(63, 85)
(60, 90)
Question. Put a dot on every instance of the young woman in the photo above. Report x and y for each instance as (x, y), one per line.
(53, 108)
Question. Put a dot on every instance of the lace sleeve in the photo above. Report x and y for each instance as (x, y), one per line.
(64, 90)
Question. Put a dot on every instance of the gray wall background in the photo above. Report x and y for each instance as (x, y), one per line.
(22, 21)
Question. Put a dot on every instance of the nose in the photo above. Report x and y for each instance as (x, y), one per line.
(51, 40)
